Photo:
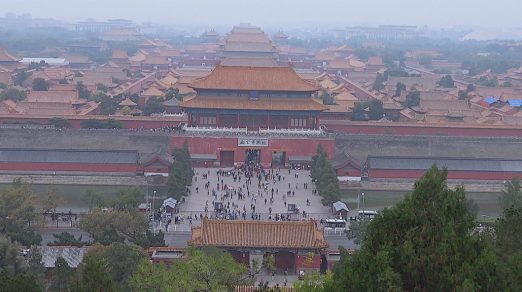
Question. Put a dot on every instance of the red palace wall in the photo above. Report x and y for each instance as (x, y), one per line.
(292, 147)
(471, 175)
(76, 122)
(80, 167)
(421, 129)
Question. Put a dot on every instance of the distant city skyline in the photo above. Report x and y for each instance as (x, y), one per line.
(280, 13)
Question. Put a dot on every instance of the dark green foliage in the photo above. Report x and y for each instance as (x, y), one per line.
(82, 90)
(412, 99)
(62, 275)
(13, 94)
(19, 78)
(94, 275)
(399, 88)
(379, 82)
(327, 98)
(17, 283)
(128, 199)
(102, 88)
(208, 269)
(507, 84)
(39, 84)
(17, 211)
(470, 88)
(424, 243)
(3, 85)
(102, 124)
(446, 81)
(511, 195)
(59, 122)
(108, 105)
(123, 260)
(358, 113)
(325, 177)
(173, 93)
(153, 105)
(463, 95)
(489, 82)
(181, 172)
(149, 239)
(376, 110)
(66, 239)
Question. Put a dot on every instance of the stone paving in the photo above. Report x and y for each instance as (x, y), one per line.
(292, 181)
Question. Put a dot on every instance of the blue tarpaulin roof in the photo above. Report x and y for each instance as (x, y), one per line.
(490, 99)
(515, 102)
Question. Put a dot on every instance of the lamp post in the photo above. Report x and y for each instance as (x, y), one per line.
(364, 215)
(152, 211)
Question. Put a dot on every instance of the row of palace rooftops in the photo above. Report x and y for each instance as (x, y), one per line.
(348, 80)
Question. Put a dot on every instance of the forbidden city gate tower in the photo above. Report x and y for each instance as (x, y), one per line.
(253, 98)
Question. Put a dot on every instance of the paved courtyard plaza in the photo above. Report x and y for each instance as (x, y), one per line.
(211, 185)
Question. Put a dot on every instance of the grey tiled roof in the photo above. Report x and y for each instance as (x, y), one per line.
(456, 164)
(68, 156)
(72, 255)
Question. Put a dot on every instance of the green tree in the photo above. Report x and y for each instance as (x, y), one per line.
(376, 110)
(470, 88)
(511, 195)
(35, 268)
(203, 270)
(325, 177)
(423, 243)
(94, 275)
(128, 199)
(51, 200)
(13, 94)
(17, 283)
(83, 92)
(66, 239)
(153, 105)
(108, 105)
(3, 85)
(10, 261)
(358, 113)
(20, 78)
(62, 276)
(107, 227)
(412, 99)
(508, 235)
(58, 122)
(39, 84)
(181, 172)
(446, 81)
(95, 199)
(313, 282)
(17, 212)
(327, 98)
(507, 84)
(399, 88)
(123, 260)
(463, 95)
(378, 84)
(102, 88)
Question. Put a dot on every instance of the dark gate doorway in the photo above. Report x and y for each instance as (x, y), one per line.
(226, 158)
(285, 260)
(252, 156)
(278, 158)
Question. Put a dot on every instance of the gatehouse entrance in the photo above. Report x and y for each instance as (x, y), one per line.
(252, 156)
(278, 158)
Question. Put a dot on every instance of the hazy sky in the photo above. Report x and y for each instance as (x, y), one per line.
(281, 13)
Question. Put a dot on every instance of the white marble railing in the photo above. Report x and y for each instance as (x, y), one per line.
(197, 129)
(304, 132)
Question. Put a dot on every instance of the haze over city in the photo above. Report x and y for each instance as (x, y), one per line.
(260, 146)
(274, 13)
